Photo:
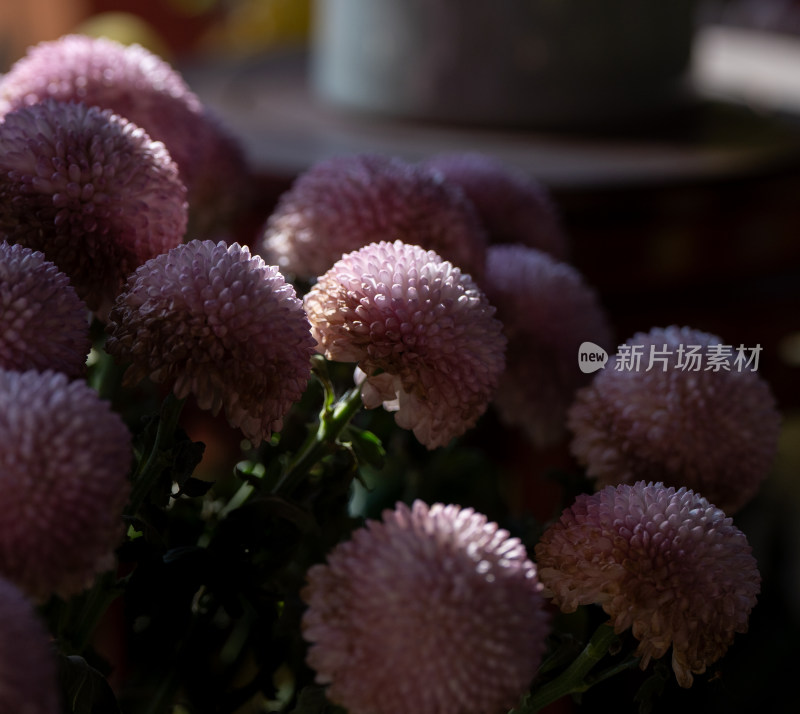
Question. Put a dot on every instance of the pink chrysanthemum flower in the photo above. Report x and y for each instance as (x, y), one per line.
(665, 563)
(64, 462)
(43, 322)
(136, 84)
(513, 207)
(344, 203)
(421, 331)
(27, 663)
(220, 324)
(91, 191)
(547, 311)
(435, 590)
(714, 431)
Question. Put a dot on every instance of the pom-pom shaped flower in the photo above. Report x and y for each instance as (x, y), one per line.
(43, 322)
(97, 71)
(64, 461)
(421, 331)
(136, 84)
(696, 416)
(347, 202)
(513, 207)
(91, 191)
(435, 590)
(661, 561)
(220, 324)
(27, 663)
(547, 311)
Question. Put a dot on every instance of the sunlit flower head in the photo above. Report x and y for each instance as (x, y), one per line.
(27, 661)
(140, 86)
(661, 561)
(513, 207)
(436, 590)
(344, 203)
(681, 422)
(547, 311)
(91, 191)
(423, 335)
(64, 464)
(213, 321)
(43, 322)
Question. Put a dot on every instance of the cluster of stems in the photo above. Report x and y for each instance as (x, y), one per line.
(79, 617)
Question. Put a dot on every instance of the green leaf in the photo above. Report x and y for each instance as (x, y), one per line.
(311, 700)
(194, 487)
(83, 689)
(182, 552)
(367, 447)
(651, 689)
(133, 533)
(186, 455)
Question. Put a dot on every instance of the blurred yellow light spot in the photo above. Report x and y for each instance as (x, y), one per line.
(125, 28)
(251, 26)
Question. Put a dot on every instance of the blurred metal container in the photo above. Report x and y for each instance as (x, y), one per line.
(502, 62)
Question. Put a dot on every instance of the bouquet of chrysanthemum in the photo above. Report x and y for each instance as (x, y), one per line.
(327, 565)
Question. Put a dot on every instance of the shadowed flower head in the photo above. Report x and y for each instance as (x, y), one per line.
(91, 191)
(664, 562)
(218, 323)
(43, 322)
(345, 203)
(435, 590)
(547, 311)
(513, 207)
(220, 181)
(136, 84)
(64, 461)
(27, 662)
(421, 331)
(715, 432)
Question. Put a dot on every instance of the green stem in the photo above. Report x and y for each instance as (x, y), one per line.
(628, 663)
(104, 375)
(239, 498)
(151, 469)
(332, 422)
(161, 701)
(572, 679)
(81, 614)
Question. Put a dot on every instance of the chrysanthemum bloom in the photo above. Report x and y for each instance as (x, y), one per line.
(682, 422)
(43, 322)
(664, 562)
(64, 463)
(137, 85)
(547, 311)
(433, 610)
(91, 191)
(27, 662)
(344, 203)
(220, 324)
(423, 335)
(513, 207)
